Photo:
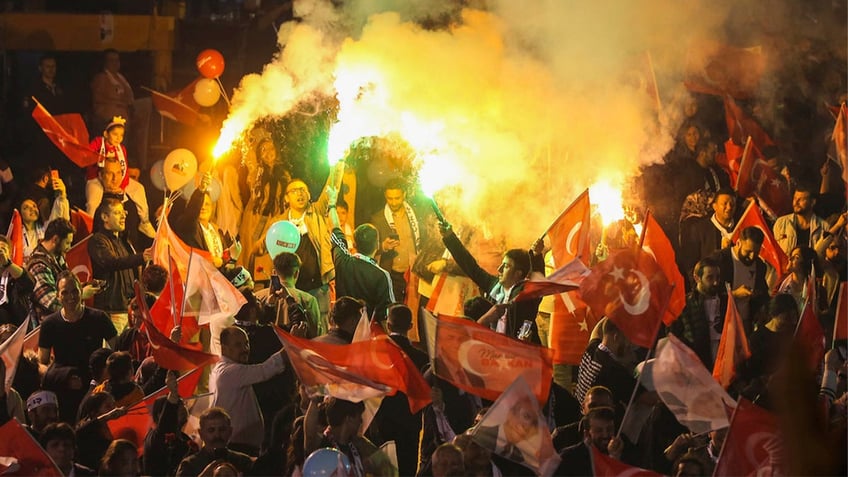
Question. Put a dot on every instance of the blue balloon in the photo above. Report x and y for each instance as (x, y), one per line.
(157, 175)
(326, 462)
(282, 236)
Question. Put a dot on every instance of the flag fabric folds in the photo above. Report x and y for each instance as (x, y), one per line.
(162, 312)
(632, 291)
(757, 178)
(570, 328)
(659, 246)
(688, 389)
(569, 234)
(179, 106)
(21, 454)
(733, 348)
(606, 466)
(840, 140)
(515, 429)
(73, 146)
(809, 336)
(211, 297)
(10, 352)
(483, 362)
(840, 326)
(720, 69)
(358, 371)
(15, 234)
(566, 279)
(770, 252)
(79, 261)
(753, 443)
(82, 222)
(740, 126)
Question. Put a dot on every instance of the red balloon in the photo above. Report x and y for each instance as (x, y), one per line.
(210, 63)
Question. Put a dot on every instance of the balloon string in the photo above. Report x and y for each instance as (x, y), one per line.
(223, 92)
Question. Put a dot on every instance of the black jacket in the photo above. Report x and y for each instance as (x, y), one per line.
(114, 259)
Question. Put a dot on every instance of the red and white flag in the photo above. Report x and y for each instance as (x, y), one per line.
(753, 443)
(515, 429)
(757, 178)
(83, 224)
(358, 371)
(170, 355)
(688, 389)
(163, 314)
(569, 234)
(79, 261)
(571, 328)
(567, 278)
(733, 348)
(31, 340)
(66, 132)
(450, 292)
(720, 69)
(770, 252)
(483, 362)
(730, 160)
(840, 326)
(178, 106)
(210, 296)
(740, 126)
(15, 235)
(632, 290)
(606, 466)
(659, 246)
(21, 455)
(840, 140)
(809, 336)
(11, 351)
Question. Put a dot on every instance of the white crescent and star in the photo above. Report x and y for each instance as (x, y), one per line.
(644, 296)
(465, 348)
(575, 229)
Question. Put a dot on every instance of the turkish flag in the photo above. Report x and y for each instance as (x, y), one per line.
(21, 455)
(31, 340)
(730, 160)
(566, 279)
(82, 222)
(161, 311)
(632, 290)
(840, 327)
(758, 178)
(571, 327)
(357, 371)
(753, 443)
(770, 252)
(178, 106)
(79, 262)
(484, 362)
(211, 296)
(719, 69)
(840, 140)
(733, 347)
(15, 235)
(68, 141)
(740, 126)
(133, 426)
(810, 337)
(659, 246)
(569, 234)
(606, 466)
(170, 355)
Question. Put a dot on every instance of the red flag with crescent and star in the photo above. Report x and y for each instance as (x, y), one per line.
(732, 348)
(659, 246)
(79, 262)
(484, 362)
(357, 371)
(605, 466)
(20, 454)
(178, 106)
(757, 177)
(569, 234)
(631, 290)
(770, 252)
(753, 443)
(721, 69)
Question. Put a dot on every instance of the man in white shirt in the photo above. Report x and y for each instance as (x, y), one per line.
(231, 383)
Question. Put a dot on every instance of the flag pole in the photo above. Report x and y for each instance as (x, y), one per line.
(647, 357)
(185, 285)
(171, 282)
(729, 428)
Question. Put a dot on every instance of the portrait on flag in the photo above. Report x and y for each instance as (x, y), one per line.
(515, 429)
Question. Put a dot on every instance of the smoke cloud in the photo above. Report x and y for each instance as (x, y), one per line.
(520, 106)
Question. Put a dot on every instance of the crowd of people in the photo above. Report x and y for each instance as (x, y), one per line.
(93, 360)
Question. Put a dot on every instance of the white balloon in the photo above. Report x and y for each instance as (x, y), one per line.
(206, 92)
(180, 168)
